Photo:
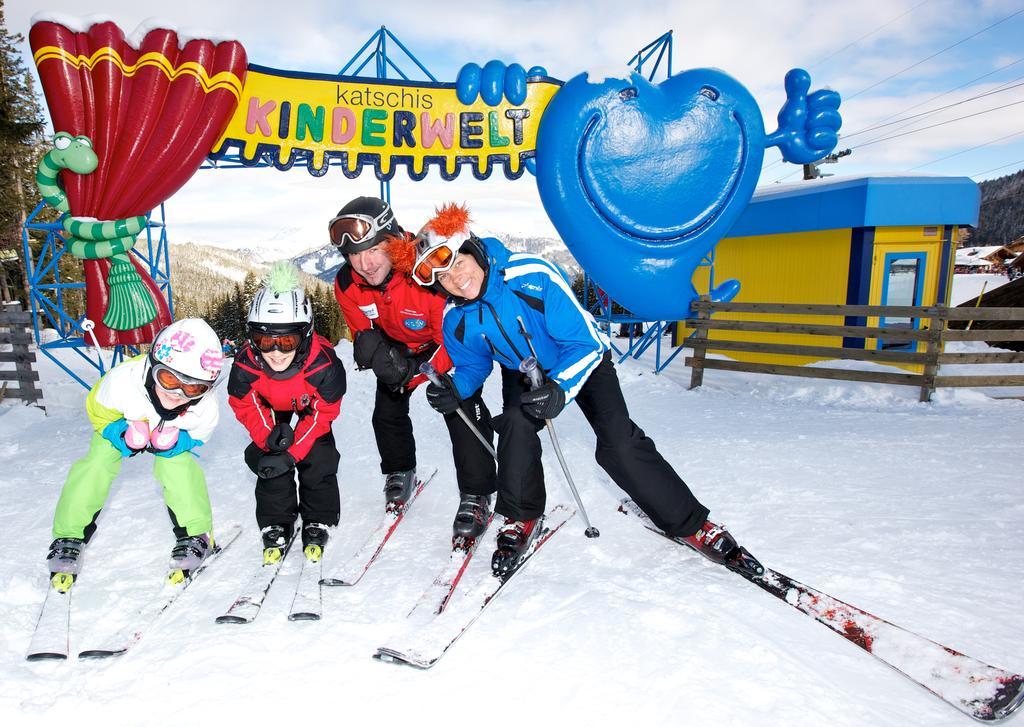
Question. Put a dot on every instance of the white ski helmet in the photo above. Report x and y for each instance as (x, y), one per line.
(281, 306)
(189, 347)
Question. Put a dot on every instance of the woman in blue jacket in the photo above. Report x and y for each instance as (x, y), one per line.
(490, 289)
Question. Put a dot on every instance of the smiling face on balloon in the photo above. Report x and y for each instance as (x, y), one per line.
(659, 162)
(642, 180)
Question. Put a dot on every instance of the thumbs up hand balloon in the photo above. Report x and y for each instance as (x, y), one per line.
(807, 124)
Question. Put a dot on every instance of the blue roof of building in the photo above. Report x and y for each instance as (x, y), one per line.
(880, 201)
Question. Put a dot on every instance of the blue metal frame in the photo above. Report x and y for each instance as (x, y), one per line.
(46, 290)
(659, 45)
(922, 258)
(379, 55)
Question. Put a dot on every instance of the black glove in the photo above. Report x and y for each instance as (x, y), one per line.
(365, 346)
(392, 367)
(280, 437)
(444, 398)
(544, 402)
(274, 465)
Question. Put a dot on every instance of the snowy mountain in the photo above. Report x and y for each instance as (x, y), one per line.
(325, 261)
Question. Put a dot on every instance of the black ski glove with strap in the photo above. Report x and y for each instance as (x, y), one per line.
(444, 398)
(544, 402)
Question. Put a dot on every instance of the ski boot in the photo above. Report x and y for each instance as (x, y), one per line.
(314, 538)
(718, 545)
(187, 555)
(64, 561)
(471, 520)
(514, 538)
(398, 489)
(276, 539)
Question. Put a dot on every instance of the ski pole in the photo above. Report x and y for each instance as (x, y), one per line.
(532, 370)
(88, 326)
(427, 369)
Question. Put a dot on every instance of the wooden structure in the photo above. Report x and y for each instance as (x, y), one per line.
(855, 243)
(16, 332)
(932, 336)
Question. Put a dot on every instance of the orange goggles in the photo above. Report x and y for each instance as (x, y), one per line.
(267, 342)
(432, 263)
(171, 381)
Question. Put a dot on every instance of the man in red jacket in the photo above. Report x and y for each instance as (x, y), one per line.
(285, 369)
(396, 326)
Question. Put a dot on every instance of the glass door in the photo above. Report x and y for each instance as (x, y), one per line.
(902, 284)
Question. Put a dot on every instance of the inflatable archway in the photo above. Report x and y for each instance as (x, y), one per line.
(641, 180)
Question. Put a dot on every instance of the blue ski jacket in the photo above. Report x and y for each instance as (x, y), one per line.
(477, 333)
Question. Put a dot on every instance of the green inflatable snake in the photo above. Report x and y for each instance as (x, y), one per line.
(130, 303)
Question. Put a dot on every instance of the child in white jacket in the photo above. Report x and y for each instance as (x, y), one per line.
(156, 403)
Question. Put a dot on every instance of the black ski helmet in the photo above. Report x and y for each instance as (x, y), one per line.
(361, 224)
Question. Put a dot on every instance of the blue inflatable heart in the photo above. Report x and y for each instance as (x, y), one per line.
(642, 180)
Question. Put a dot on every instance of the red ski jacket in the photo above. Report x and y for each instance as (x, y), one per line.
(404, 311)
(314, 392)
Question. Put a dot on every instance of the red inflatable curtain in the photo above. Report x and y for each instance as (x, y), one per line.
(153, 113)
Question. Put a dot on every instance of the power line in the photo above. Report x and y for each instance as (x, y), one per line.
(787, 176)
(934, 126)
(940, 108)
(933, 55)
(923, 128)
(999, 89)
(868, 35)
(996, 169)
(946, 93)
(964, 151)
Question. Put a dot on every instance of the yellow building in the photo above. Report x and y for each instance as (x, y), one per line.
(860, 241)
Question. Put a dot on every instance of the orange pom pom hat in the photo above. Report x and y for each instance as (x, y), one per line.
(441, 239)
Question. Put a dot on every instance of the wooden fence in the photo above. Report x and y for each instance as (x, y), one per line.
(932, 330)
(15, 331)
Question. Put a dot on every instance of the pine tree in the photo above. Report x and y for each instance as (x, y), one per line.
(21, 148)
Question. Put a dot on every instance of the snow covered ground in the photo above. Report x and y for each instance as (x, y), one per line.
(910, 511)
(966, 287)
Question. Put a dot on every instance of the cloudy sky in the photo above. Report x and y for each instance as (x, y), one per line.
(890, 59)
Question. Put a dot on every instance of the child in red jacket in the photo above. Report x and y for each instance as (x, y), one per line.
(286, 370)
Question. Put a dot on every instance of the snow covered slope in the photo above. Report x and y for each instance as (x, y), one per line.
(910, 511)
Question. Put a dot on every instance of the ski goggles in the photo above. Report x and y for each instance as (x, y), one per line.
(355, 229)
(435, 255)
(171, 382)
(267, 342)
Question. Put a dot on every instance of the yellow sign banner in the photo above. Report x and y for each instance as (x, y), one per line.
(284, 118)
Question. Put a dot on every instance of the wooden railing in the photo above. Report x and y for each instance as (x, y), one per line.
(15, 331)
(932, 330)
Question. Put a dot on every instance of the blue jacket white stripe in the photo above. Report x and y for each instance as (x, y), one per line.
(568, 342)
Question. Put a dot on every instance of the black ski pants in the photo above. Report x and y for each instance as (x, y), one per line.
(623, 450)
(317, 500)
(392, 428)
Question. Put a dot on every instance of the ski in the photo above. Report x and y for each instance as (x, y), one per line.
(437, 595)
(247, 606)
(51, 636)
(129, 635)
(979, 690)
(422, 645)
(307, 604)
(351, 571)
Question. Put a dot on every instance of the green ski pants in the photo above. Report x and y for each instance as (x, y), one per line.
(89, 480)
